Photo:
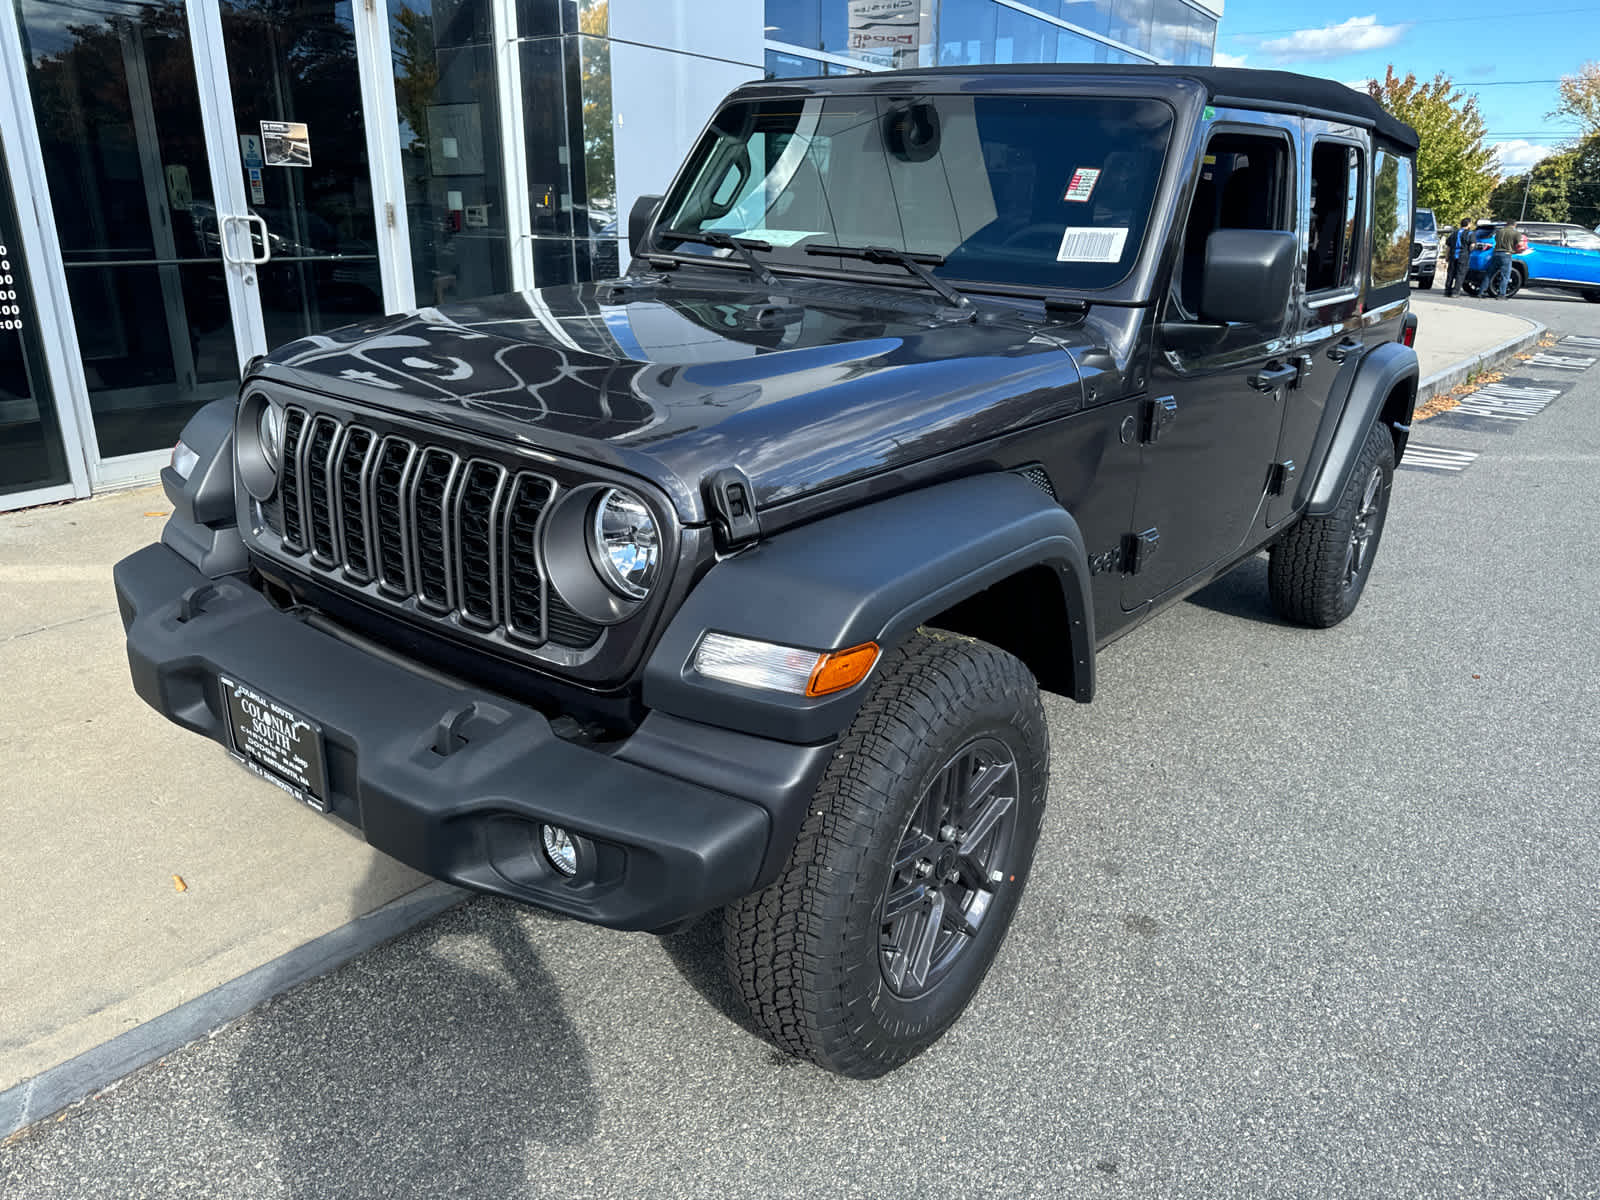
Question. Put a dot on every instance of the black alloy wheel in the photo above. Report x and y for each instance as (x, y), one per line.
(953, 857)
(1363, 534)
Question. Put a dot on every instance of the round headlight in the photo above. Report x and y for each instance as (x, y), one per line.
(626, 543)
(269, 434)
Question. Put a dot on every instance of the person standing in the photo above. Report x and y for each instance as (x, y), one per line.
(1505, 245)
(1455, 272)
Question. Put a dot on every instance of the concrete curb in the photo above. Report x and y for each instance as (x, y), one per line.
(1443, 381)
(54, 1089)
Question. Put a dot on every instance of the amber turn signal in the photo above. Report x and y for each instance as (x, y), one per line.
(842, 669)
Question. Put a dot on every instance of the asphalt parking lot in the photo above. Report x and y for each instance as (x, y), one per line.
(1314, 914)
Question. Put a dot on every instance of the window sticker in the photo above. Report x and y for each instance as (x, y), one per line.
(1081, 186)
(1089, 243)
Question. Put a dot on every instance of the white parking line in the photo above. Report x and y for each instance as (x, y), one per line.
(1577, 339)
(1505, 402)
(1562, 362)
(1437, 458)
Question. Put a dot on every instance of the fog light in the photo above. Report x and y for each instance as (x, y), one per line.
(184, 460)
(560, 849)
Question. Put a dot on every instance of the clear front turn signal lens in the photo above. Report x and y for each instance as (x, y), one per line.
(756, 664)
(184, 460)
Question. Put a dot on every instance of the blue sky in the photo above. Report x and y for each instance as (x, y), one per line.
(1488, 49)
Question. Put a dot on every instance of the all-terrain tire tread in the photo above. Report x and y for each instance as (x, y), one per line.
(1305, 572)
(782, 945)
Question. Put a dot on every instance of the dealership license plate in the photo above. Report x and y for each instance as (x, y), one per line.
(277, 743)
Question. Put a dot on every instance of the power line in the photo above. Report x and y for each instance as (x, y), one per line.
(1546, 12)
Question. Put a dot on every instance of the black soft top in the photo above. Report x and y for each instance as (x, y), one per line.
(1241, 87)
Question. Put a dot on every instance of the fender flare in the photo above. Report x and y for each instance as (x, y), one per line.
(872, 574)
(1382, 370)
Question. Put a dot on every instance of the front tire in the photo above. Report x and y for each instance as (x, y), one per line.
(1592, 295)
(909, 866)
(1318, 570)
(1425, 281)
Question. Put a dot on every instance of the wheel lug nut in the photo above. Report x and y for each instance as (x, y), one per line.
(924, 868)
(949, 833)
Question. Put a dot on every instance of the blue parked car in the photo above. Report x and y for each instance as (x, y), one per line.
(1568, 261)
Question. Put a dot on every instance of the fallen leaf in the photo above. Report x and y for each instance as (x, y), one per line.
(178, 885)
(1477, 676)
(158, 514)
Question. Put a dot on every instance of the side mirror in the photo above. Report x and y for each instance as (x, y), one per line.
(639, 217)
(1248, 275)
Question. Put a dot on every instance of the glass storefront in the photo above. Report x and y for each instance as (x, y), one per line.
(883, 34)
(213, 178)
(31, 452)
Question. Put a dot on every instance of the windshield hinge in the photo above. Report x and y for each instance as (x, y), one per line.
(1063, 308)
(732, 504)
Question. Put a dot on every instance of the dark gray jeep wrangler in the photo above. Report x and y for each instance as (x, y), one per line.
(732, 583)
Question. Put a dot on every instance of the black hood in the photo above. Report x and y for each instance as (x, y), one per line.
(831, 384)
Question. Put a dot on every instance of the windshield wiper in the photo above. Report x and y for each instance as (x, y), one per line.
(745, 248)
(917, 264)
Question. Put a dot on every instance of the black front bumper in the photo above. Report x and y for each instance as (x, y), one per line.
(664, 848)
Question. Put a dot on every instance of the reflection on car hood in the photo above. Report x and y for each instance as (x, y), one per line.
(832, 384)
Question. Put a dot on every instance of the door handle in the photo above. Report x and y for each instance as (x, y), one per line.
(250, 260)
(1272, 375)
(1344, 349)
(266, 239)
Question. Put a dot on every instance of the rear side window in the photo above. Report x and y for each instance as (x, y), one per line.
(1391, 220)
(1336, 173)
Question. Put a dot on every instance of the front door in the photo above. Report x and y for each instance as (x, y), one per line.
(1208, 461)
(207, 169)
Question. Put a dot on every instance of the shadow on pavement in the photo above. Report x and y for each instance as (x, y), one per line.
(696, 952)
(426, 1067)
(1242, 592)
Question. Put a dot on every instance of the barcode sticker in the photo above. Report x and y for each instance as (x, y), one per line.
(1085, 243)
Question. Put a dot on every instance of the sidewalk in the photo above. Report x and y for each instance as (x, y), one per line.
(1461, 336)
(108, 961)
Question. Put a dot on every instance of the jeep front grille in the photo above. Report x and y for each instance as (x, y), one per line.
(441, 535)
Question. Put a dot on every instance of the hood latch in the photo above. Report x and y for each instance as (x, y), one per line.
(732, 503)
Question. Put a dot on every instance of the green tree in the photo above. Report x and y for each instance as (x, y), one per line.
(1455, 170)
(599, 158)
(1583, 189)
(1542, 194)
(416, 72)
(1580, 98)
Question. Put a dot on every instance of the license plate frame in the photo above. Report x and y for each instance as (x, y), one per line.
(280, 745)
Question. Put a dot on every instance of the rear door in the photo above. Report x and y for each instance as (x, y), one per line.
(1330, 332)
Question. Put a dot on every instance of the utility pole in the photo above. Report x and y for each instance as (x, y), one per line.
(1525, 188)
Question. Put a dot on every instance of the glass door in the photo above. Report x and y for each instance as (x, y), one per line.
(207, 168)
(300, 151)
(33, 456)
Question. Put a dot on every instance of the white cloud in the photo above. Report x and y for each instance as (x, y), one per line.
(1518, 154)
(1354, 36)
(1359, 85)
(1223, 59)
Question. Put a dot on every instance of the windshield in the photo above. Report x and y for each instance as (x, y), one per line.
(1425, 225)
(1039, 191)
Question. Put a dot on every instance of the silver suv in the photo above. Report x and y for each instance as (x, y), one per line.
(1424, 248)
